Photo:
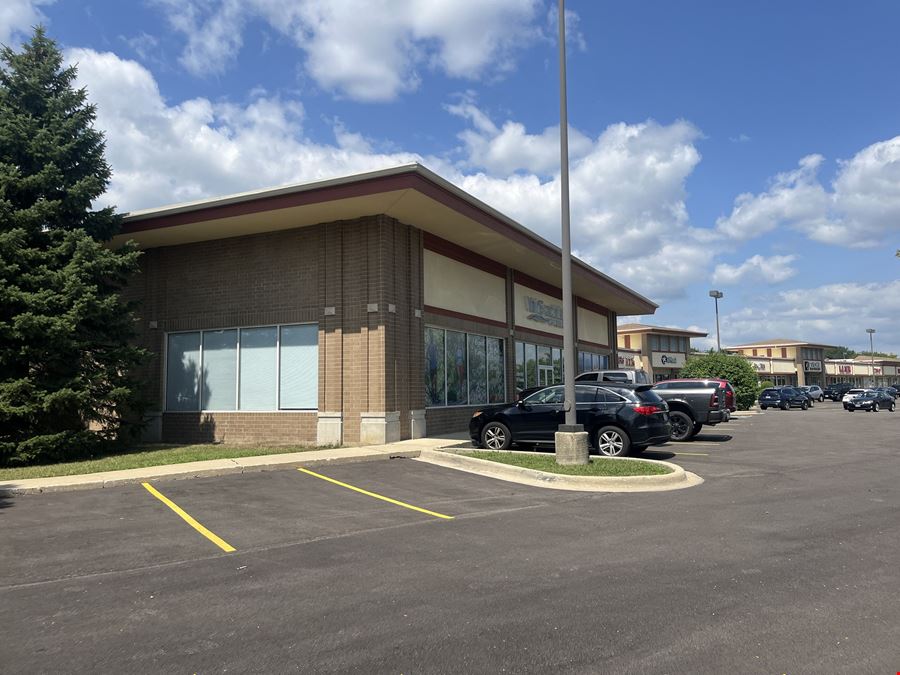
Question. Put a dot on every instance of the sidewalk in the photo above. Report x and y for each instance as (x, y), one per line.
(221, 467)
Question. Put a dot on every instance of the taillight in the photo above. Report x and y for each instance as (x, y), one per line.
(714, 400)
(646, 409)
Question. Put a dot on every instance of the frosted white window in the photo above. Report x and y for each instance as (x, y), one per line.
(219, 390)
(299, 383)
(183, 372)
(258, 368)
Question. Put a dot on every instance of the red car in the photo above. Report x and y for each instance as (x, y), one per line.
(716, 382)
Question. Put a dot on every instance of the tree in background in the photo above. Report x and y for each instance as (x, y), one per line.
(732, 367)
(66, 388)
(839, 353)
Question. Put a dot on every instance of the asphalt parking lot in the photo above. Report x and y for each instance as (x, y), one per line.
(783, 561)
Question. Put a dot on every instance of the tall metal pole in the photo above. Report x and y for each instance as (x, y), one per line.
(871, 332)
(568, 323)
(718, 338)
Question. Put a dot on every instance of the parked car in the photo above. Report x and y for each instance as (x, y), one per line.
(814, 392)
(890, 391)
(625, 375)
(852, 393)
(836, 391)
(805, 391)
(872, 400)
(783, 397)
(619, 418)
(693, 403)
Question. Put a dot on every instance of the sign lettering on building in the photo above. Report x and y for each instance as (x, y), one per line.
(543, 312)
(845, 369)
(667, 360)
(812, 366)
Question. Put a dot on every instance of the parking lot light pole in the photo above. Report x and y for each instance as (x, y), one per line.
(871, 332)
(571, 439)
(716, 295)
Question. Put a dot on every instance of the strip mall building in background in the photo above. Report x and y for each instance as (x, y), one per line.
(363, 309)
(659, 350)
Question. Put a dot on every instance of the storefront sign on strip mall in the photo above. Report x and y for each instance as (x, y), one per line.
(845, 369)
(812, 366)
(667, 360)
(543, 312)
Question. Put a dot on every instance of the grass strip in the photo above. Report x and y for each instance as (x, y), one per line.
(598, 466)
(145, 456)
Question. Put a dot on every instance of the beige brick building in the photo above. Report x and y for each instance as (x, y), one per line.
(358, 310)
(660, 350)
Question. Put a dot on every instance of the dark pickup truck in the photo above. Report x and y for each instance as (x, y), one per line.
(692, 405)
(836, 391)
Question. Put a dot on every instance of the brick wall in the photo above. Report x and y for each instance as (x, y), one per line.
(368, 361)
(277, 428)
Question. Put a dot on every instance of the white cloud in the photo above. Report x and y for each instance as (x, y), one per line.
(772, 270)
(17, 17)
(796, 198)
(369, 50)
(163, 154)
(835, 313)
(861, 209)
(627, 185)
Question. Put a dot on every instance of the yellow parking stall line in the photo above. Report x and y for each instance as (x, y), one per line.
(218, 541)
(375, 495)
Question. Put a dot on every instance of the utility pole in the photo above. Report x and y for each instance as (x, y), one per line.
(871, 332)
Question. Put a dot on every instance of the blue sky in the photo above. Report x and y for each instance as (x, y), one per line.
(750, 147)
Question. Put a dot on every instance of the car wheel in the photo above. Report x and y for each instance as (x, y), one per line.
(764, 407)
(495, 436)
(682, 425)
(612, 442)
(892, 407)
(784, 406)
(875, 407)
(804, 405)
(848, 409)
(821, 399)
(697, 427)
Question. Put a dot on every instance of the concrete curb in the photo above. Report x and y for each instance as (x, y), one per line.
(678, 479)
(212, 467)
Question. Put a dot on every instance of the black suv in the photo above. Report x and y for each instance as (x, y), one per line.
(784, 398)
(620, 418)
(836, 391)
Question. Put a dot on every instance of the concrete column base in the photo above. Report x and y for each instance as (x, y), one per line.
(572, 447)
(378, 428)
(417, 424)
(152, 431)
(330, 428)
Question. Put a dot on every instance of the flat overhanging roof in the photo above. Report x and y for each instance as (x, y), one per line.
(410, 193)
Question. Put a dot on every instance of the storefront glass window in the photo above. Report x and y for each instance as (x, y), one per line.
(219, 370)
(477, 372)
(183, 372)
(496, 377)
(520, 366)
(435, 393)
(243, 369)
(463, 369)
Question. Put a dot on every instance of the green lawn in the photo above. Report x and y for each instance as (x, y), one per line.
(148, 455)
(598, 466)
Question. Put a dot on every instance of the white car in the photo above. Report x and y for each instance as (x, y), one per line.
(853, 393)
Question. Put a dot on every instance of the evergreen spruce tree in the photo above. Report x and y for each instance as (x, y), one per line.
(66, 364)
